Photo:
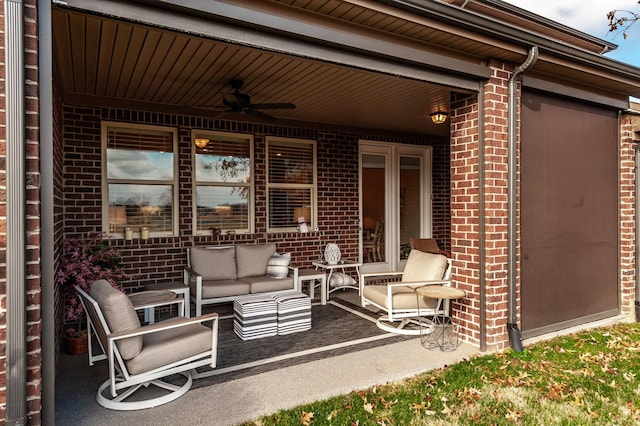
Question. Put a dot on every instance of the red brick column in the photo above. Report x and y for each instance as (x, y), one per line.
(627, 190)
(465, 210)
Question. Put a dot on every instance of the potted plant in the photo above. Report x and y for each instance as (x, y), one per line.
(83, 261)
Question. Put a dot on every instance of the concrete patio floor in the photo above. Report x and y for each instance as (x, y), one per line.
(245, 399)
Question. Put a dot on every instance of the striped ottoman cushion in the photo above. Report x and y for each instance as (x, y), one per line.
(294, 312)
(255, 316)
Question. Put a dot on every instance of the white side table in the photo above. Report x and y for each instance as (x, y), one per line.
(342, 265)
(312, 275)
(179, 289)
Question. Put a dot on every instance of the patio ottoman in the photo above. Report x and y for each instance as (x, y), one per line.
(294, 312)
(255, 316)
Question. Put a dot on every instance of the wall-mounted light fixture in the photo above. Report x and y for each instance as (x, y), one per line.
(201, 142)
(439, 117)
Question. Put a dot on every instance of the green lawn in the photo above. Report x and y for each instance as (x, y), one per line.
(588, 378)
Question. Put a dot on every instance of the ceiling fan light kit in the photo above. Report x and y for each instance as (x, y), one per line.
(237, 102)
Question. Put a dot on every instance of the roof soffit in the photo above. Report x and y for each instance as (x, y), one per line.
(491, 30)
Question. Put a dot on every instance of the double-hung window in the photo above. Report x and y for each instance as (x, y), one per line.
(291, 183)
(139, 179)
(223, 182)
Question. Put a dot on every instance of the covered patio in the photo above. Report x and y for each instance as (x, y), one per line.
(155, 80)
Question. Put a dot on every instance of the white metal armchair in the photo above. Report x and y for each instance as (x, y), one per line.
(145, 355)
(398, 298)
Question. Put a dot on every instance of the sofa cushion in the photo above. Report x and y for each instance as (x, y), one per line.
(265, 285)
(278, 265)
(424, 266)
(252, 259)
(223, 288)
(120, 316)
(214, 263)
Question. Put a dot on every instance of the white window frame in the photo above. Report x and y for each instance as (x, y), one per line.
(251, 185)
(105, 125)
(313, 186)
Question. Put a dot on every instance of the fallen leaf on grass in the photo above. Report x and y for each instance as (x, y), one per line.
(368, 407)
(306, 418)
(422, 408)
(513, 415)
(332, 414)
(446, 410)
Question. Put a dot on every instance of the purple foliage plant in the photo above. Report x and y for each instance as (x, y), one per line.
(83, 261)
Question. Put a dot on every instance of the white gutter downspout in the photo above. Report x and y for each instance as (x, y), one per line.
(512, 321)
(16, 350)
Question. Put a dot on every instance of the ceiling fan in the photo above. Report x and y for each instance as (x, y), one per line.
(241, 102)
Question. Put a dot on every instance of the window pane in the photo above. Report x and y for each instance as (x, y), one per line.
(139, 139)
(217, 168)
(374, 169)
(224, 158)
(134, 206)
(222, 207)
(286, 205)
(410, 201)
(291, 163)
(139, 165)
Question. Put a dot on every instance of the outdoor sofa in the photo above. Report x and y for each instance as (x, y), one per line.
(220, 274)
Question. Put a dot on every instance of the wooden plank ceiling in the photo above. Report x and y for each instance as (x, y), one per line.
(112, 62)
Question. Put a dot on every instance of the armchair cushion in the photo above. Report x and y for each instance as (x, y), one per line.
(167, 346)
(214, 263)
(252, 259)
(404, 297)
(424, 266)
(119, 314)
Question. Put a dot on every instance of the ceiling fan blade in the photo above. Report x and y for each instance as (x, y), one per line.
(260, 115)
(273, 106)
(222, 114)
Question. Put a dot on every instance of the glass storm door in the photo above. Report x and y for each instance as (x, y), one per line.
(395, 192)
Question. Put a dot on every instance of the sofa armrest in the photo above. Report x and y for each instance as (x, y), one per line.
(190, 273)
(293, 272)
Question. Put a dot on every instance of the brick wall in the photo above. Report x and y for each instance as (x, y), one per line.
(464, 214)
(32, 254)
(33, 278)
(628, 213)
(162, 259)
(465, 230)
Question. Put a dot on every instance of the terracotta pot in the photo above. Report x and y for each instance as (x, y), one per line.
(76, 345)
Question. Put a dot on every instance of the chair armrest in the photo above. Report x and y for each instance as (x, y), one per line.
(190, 272)
(181, 322)
(178, 301)
(381, 274)
(419, 283)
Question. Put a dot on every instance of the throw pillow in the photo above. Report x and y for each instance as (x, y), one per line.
(339, 279)
(278, 266)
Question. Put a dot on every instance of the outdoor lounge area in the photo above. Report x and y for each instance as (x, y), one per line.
(312, 144)
(331, 358)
